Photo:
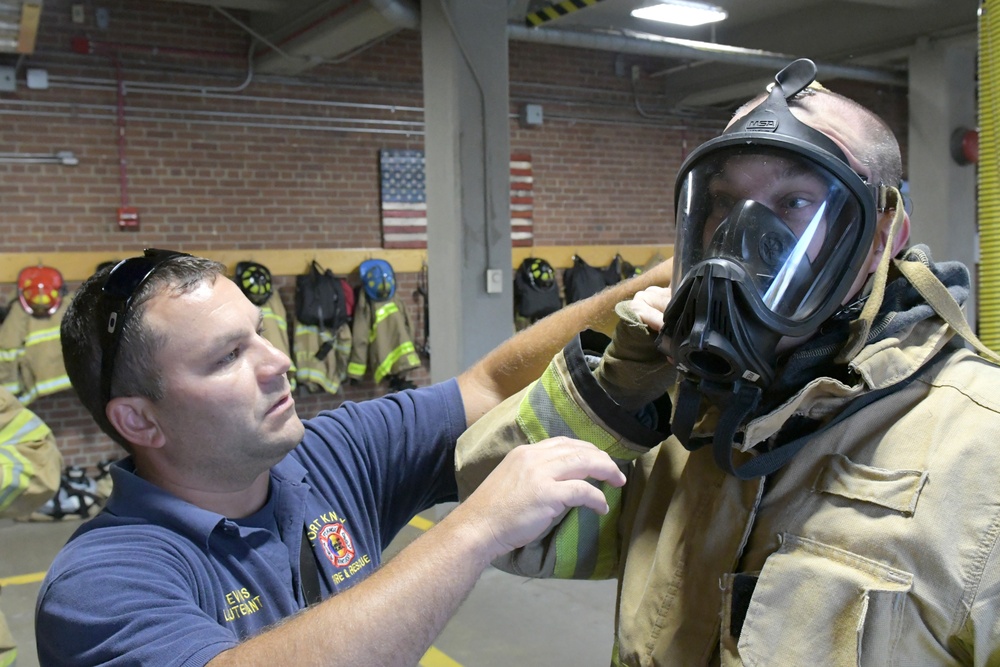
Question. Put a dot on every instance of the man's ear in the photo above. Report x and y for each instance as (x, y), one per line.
(134, 418)
(882, 237)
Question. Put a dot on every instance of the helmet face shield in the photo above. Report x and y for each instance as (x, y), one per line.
(791, 229)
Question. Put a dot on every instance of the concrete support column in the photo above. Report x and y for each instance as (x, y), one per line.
(467, 149)
(942, 99)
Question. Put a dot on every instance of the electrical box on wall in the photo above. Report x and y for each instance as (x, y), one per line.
(8, 80)
(37, 79)
(128, 218)
(531, 115)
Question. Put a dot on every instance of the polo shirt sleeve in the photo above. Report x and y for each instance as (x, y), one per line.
(102, 604)
(395, 453)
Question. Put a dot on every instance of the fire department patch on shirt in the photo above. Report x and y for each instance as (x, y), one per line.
(337, 544)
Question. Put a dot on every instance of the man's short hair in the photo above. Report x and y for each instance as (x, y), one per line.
(135, 370)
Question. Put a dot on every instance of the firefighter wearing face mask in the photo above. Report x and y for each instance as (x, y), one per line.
(820, 486)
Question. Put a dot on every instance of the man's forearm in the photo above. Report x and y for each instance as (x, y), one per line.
(398, 611)
(522, 359)
(395, 614)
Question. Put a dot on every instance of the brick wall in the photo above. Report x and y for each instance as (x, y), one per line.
(267, 167)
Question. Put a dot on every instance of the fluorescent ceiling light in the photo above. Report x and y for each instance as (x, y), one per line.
(680, 12)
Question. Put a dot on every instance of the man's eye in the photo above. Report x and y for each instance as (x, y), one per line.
(231, 357)
(796, 203)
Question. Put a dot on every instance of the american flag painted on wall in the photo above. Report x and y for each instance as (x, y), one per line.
(404, 203)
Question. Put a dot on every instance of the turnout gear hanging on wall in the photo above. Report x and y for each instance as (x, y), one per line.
(30, 463)
(323, 300)
(276, 330)
(536, 293)
(324, 371)
(382, 340)
(583, 280)
(31, 362)
(254, 280)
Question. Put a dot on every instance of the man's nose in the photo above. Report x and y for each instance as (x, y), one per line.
(275, 362)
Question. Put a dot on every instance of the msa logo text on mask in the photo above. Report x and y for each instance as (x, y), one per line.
(763, 124)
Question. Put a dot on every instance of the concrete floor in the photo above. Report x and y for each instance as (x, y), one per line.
(505, 621)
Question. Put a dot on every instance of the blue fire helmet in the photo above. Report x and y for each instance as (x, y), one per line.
(377, 279)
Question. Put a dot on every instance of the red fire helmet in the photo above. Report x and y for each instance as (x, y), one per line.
(39, 289)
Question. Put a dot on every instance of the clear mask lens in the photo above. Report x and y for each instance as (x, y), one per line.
(789, 225)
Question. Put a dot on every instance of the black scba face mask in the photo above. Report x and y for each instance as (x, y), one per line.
(773, 227)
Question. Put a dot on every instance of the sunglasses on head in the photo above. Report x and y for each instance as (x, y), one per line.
(120, 287)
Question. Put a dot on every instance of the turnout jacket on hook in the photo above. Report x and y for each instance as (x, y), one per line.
(876, 544)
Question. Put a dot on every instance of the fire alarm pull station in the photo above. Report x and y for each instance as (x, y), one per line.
(128, 218)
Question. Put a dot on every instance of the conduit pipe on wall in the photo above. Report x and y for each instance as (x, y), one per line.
(988, 174)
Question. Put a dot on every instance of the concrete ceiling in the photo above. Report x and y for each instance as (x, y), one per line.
(869, 35)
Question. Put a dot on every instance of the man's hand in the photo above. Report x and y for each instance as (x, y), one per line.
(533, 486)
(633, 371)
(650, 304)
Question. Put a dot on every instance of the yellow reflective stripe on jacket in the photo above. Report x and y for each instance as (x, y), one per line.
(41, 336)
(586, 542)
(23, 427)
(15, 475)
(45, 388)
(269, 314)
(16, 471)
(381, 314)
(318, 377)
(354, 368)
(386, 366)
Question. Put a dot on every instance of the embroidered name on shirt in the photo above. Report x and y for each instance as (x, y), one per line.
(241, 604)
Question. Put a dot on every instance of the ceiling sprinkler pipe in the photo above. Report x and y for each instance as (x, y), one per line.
(693, 50)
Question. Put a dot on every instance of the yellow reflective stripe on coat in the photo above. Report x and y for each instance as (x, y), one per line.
(15, 475)
(586, 542)
(23, 427)
(41, 336)
(383, 312)
(16, 471)
(269, 314)
(386, 366)
(45, 388)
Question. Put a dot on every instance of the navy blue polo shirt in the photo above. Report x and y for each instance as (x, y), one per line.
(156, 580)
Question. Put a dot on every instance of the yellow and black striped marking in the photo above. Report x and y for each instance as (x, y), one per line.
(556, 10)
